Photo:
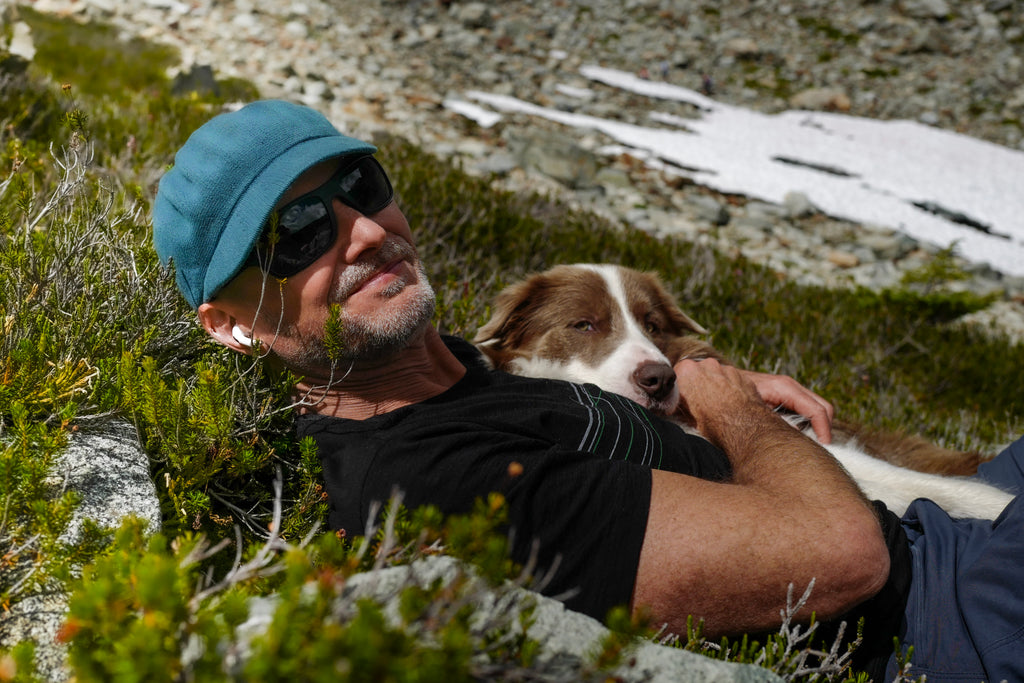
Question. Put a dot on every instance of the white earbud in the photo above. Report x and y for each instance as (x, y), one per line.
(240, 337)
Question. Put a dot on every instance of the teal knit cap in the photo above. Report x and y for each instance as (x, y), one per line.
(212, 205)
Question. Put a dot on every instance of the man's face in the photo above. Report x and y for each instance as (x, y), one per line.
(372, 271)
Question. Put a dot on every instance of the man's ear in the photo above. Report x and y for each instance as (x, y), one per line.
(222, 326)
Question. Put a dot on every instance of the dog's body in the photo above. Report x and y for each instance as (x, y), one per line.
(618, 328)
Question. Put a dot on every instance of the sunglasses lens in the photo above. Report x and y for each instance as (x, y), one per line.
(305, 232)
(301, 214)
(365, 187)
(305, 226)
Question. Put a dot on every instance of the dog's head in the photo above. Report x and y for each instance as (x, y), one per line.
(611, 326)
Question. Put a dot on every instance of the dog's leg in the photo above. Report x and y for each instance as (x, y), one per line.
(897, 487)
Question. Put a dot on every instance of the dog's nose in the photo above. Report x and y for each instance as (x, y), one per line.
(656, 379)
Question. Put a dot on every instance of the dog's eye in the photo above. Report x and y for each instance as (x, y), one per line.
(651, 327)
(583, 326)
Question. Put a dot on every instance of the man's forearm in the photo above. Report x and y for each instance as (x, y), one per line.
(789, 515)
(767, 453)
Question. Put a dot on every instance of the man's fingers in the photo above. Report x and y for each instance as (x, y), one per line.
(779, 390)
(710, 383)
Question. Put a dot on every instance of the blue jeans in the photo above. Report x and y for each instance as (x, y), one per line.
(965, 612)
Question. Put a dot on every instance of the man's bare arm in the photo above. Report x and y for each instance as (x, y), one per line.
(727, 552)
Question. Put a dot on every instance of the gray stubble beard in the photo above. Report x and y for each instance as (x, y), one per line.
(370, 338)
(380, 336)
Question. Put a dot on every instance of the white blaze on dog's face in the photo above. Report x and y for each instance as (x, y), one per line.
(601, 324)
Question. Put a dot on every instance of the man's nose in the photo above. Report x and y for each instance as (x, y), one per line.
(357, 233)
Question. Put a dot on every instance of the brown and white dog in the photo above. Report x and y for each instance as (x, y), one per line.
(620, 329)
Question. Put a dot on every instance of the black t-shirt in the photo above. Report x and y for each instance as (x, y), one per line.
(582, 493)
(579, 491)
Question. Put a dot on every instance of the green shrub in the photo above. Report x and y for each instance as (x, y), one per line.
(93, 56)
(150, 610)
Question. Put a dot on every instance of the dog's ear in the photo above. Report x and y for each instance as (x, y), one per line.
(500, 337)
(504, 311)
(513, 312)
(679, 321)
(683, 322)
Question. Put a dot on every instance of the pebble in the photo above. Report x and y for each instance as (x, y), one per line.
(390, 66)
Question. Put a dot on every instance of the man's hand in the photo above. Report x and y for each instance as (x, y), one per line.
(710, 392)
(780, 390)
(697, 383)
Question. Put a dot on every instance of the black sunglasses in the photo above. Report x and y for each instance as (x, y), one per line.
(302, 230)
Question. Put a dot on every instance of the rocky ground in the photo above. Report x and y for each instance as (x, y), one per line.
(385, 65)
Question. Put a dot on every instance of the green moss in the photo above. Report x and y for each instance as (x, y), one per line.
(828, 30)
(93, 57)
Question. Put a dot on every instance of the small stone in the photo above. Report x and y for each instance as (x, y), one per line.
(744, 48)
(798, 205)
(842, 259)
(556, 156)
(613, 178)
(709, 209)
(926, 9)
(198, 79)
(473, 15)
(991, 29)
(500, 163)
(887, 247)
(821, 99)
(245, 20)
(296, 29)
(765, 210)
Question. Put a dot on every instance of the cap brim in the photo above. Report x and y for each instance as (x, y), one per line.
(261, 196)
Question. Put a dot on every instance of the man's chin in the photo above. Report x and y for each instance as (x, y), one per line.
(370, 344)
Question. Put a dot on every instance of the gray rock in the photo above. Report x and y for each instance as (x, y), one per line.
(473, 14)
(759, 222)
(609, 178)
(710, 209)
(875, 276)
(765, 210)
(557, 156)
(21, 42)
(38, 618)
(740, 233)
(568, 639)
(798, 205)
(500, 163)
(744, 48)
(822, 99)
(199, 79)
(110, 472)
(926, 9)
(1003, 319)
(991, 30)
